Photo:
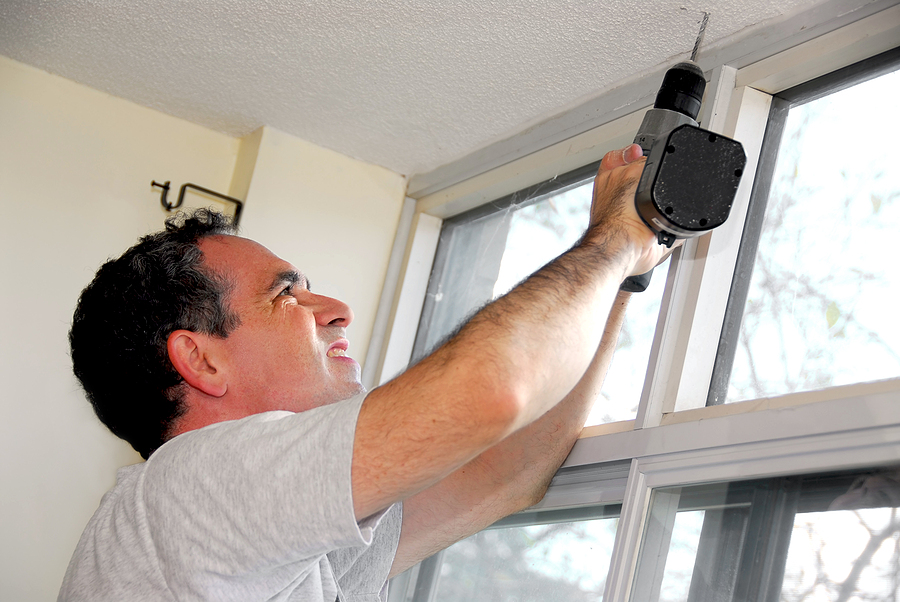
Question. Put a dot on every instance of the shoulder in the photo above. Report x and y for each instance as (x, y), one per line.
(265, 431)
(115, 537)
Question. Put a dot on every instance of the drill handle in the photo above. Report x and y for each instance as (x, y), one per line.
(636, 284)
(639, 283)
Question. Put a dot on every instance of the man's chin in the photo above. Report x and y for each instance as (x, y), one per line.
(352, 389)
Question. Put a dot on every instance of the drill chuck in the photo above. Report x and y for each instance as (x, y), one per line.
(682, 90)
(677, 103)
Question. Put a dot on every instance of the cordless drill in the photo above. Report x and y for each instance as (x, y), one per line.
(691, 175)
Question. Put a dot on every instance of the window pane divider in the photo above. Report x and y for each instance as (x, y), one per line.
(699, 279)
(873, 406)
(843, 392)
(718, 255)
(628, 536)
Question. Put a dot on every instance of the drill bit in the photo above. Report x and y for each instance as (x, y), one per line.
(700, 36)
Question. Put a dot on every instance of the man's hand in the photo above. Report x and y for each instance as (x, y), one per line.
(613, 206)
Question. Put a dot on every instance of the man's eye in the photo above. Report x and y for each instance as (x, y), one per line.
(287, 291)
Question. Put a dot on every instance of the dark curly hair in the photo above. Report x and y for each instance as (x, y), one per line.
(125, 315)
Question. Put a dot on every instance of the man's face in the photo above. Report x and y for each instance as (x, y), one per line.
(289, 353)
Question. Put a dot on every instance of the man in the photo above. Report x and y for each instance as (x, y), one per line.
(270, 473)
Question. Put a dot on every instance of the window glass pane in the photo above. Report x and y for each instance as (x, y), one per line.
(812, 537)
(542, 231)
(682, 556)
(485, 257)
(562, 561)
(844, 555)
(821, 305)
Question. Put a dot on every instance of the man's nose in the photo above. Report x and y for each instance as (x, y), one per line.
(332, 312)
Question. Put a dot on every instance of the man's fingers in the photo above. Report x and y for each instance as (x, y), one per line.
(620, 157)
(632, 153)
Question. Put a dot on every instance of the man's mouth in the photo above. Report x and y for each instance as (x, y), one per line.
(336, 352)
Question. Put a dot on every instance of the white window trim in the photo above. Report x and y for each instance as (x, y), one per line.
(391, 354)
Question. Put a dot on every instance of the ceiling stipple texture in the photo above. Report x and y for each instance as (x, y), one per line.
(406, 84)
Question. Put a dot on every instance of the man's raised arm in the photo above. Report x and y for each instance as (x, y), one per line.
(512, 475)
(513, 362)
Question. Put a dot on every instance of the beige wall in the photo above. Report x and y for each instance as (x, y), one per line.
(349, 207)
(75, 172)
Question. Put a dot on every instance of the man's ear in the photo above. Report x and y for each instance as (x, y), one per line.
(194, 359)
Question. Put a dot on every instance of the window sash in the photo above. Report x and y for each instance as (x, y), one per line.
(824, 39)
(478, 233)
(832, 448)
(782, 103)
(776, 441)
(791, 434)
(746, 534)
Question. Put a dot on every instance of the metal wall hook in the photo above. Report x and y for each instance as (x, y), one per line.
(239, 205)
(165, 193)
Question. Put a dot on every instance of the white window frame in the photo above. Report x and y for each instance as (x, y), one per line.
(675, 440)
(776, 442)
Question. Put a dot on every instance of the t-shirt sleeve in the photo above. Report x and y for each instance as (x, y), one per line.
(253, 497)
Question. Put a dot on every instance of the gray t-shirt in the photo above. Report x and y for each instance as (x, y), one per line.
(253, 509)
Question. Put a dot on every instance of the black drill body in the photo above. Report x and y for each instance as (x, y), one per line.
(691, 175)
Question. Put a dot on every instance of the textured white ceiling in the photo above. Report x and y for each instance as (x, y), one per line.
(407, 84)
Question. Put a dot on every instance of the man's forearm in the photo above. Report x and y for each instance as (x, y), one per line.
(549, 439)
(530, 457)
(513, 474)
(538, 340)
